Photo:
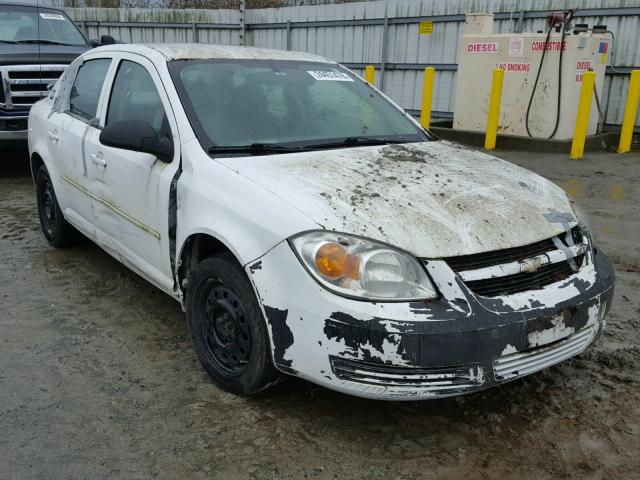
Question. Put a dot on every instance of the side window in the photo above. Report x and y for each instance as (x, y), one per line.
(134, 97)
(87, 86)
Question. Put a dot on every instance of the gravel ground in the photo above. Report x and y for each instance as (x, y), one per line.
(98, 379)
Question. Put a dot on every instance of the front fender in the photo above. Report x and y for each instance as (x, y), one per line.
(215, 200)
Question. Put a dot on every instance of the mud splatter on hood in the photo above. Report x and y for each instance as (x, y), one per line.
(435, 199)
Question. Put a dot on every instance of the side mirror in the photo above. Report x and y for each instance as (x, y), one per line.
(107, 40)
(95, 43)
(138, 137)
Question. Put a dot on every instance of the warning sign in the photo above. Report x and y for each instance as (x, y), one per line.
(584, 65)
(539, 46)
(581, 67)
(484, 47)
(426, 28)
(516, 46)
(515, 67)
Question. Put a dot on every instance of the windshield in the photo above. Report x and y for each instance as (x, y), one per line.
(291, 103)
(29, 25)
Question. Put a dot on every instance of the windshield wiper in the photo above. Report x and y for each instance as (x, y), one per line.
(48, 42)
(254, 148)
(7, 41)
(359, 141)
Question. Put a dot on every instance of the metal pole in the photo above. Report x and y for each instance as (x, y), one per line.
(383, 54)
(582, 117)
(494, 109)
(520, 22)
(427, 97)
(194, 29)
(630, 112)
(243, 29)
(288, 34)
(370, 74)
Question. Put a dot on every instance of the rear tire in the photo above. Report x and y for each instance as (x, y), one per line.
(56, 229)
(227, 327)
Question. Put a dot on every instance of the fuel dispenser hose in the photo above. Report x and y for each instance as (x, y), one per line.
(535, 84)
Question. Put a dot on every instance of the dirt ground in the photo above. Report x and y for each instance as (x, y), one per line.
(98, 379)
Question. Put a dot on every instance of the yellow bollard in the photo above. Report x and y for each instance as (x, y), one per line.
(630, 111)
(427, 96)
(582, 117)
(494, 109)
(370, 74)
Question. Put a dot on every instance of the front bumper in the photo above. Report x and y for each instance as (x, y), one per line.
(456, 344)
(13, 125)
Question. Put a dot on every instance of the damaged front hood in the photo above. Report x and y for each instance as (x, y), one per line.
(434, 199)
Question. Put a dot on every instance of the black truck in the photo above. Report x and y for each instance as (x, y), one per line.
(37, 42)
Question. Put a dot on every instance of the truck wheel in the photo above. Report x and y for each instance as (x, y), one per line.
(56, 229)
(227, 327)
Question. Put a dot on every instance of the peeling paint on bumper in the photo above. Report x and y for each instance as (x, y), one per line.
(456, 344)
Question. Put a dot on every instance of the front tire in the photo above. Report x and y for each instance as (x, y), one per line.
(56, 229)
(227, 328)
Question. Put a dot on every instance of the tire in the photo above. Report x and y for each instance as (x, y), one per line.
(56, 229)
(227, 327)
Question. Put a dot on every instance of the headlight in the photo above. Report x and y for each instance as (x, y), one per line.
(362, 268)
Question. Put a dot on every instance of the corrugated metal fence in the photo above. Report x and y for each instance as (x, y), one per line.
(382, 33)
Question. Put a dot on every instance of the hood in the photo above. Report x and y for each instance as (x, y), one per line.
(29, 54)
(434, 199)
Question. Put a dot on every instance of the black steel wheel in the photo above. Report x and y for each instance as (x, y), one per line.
(56, 229)
(227, 328)
(226, 333)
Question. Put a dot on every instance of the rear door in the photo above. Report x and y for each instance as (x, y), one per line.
(132, 188)
(67, 137)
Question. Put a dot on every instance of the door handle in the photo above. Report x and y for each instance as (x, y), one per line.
(53, 136)
(98, 159)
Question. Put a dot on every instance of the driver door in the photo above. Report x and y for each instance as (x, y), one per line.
(132, 188)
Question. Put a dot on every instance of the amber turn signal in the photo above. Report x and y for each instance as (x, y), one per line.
(333, 262)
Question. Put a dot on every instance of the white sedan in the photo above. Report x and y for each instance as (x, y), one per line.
(310, 227)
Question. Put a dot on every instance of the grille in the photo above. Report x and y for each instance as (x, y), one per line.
(498, 257)
(521, 282)
(510, 279)
(442, 380)
(35, 74)
(519, 364)
(24, 85)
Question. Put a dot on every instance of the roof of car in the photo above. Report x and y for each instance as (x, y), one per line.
(200, 51)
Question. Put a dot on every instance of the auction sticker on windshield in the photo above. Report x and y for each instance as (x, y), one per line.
(328, 75)
(52, 16)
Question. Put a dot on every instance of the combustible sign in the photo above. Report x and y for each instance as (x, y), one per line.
(426, 28)
(483, 47)
(515, 67)
(539, 46)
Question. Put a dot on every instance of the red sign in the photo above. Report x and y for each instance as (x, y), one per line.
(583, 65)
(515, 67)
(489, 47)
(538, 46)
